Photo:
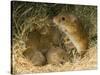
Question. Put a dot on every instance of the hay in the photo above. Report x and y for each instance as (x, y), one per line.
(21, 65)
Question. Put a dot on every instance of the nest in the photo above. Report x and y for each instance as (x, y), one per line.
(29, 17)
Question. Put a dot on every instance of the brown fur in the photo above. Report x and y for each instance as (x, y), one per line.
(70, 25)
(35, 57)
(56, 55)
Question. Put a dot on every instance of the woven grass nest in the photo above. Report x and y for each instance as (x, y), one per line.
(28, 18)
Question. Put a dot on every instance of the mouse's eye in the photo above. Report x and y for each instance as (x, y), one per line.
(63, 18)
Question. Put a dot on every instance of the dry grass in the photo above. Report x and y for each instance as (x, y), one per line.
(21, 65)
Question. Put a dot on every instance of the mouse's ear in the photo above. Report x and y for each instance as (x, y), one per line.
(73, 18)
